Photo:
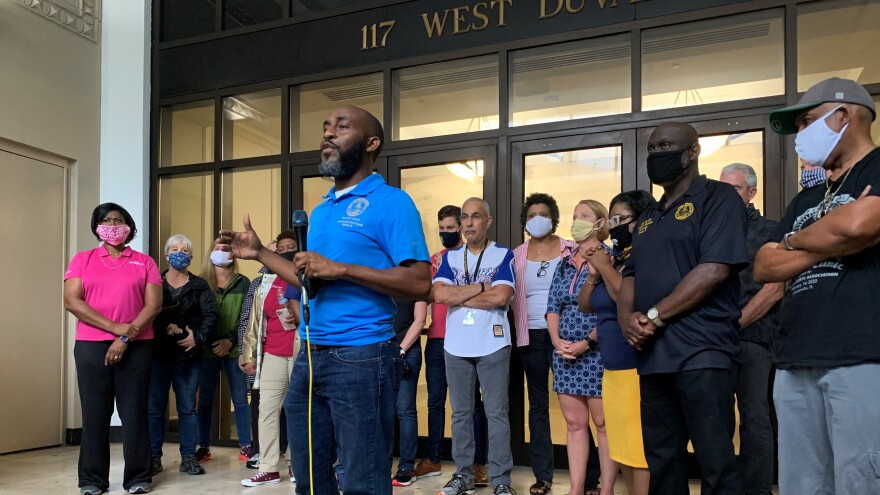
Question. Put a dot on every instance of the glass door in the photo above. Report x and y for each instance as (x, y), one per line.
(570, 169)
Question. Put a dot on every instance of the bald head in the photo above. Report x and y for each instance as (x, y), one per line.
(677, 133)
(363, 122)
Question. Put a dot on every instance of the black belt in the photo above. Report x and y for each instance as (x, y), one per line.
(316, 347)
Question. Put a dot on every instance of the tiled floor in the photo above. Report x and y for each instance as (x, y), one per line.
(54, 471)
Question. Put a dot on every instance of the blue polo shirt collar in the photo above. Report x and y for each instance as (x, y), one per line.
(362, 188)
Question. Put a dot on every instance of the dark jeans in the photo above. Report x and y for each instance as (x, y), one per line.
(406, 407)
(435, 376)
(126, 383)
(696, 404)
(209, 374)
(755, 429)
(536, 361)
(255, 423)
(185, 380)
(353, 403)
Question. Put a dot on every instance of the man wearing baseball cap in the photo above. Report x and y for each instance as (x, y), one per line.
(827, 388)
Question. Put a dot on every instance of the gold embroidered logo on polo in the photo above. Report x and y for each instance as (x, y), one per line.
(644, 226)
(684, 211)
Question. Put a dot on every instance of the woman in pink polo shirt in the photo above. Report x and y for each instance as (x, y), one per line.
(114, 292)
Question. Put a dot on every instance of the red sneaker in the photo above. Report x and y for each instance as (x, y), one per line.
(262, 479)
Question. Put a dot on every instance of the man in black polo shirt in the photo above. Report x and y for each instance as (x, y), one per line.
(827, 386)
(678, 305)
(758, 327)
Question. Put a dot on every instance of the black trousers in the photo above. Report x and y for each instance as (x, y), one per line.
(695, 405)
(127, 384)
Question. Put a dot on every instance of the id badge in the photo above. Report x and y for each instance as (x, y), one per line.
(469, 319)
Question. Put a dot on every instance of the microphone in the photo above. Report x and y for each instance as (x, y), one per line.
(300, 220)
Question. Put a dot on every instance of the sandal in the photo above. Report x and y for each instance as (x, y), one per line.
(540, 488)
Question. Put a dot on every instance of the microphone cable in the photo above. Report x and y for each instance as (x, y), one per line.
(306, 318)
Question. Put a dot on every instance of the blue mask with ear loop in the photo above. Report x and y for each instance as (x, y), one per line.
(179, 260)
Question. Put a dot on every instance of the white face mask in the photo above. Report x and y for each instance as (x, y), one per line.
(539, 226)
(815, 143)
(220, 258)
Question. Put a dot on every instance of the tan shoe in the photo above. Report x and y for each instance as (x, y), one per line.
(481, 477)
(427, 468)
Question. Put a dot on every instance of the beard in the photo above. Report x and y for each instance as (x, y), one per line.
(347, 163)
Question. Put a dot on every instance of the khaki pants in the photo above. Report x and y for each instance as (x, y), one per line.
(274, 378)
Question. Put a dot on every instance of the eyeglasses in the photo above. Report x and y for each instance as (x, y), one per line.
(475, 217)
(616, 220)
(542, 272)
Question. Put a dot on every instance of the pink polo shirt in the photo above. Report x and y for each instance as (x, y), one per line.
(114, 287)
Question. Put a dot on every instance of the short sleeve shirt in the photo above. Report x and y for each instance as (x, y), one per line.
(829, 314)
(477, 332)
(114, 287)
(373, 225)
(707, 224)
(437, 328)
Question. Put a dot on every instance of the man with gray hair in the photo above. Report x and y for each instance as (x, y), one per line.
(758, 327)
(476, 281)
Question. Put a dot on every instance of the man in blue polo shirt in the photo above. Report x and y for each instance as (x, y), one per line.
(366, 245)
(679, 307)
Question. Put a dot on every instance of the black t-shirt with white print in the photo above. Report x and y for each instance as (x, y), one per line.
(831, 312)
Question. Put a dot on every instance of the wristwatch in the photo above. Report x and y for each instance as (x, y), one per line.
(591, 344)
(654, 316)
(124, 339)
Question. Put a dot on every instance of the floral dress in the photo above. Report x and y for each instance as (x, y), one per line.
(582, 376)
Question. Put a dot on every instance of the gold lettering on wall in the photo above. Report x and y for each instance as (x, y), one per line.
(480, 15)
(458, 18)
(500, 4)
(436, 25)
(370, 34)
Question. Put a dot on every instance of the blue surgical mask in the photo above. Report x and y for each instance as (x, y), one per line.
(179, 260)
(812, 177)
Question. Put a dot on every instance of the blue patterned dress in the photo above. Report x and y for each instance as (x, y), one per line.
(582, 376)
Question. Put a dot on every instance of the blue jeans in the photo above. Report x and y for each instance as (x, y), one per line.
(209, 375)
(353, 403)
(185, 380)
(435, 376)
(406, 407)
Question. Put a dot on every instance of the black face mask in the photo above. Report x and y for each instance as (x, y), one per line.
(621, 237)
(289, 255)
(665, 167)
(450, 239)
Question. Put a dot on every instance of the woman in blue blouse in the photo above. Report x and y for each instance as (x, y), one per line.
(620, 382)
(577, 366)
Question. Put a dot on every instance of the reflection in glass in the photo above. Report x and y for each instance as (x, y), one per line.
(185, 18)
(447, 98)
(431, 188)
(239, 13)
(548, 83)
(252, 125)
(186, 207)
(573, 175)
(716, 152)
(256, 191)
(834, 39)
(187, 134)
(317, 100)
(703, 62)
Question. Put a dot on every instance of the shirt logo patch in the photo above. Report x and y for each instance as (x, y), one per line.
(644, 226)
(357, 207)
(684, 211)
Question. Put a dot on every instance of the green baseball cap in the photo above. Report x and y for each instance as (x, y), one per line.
(835, 89)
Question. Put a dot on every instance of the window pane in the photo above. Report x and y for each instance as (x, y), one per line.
(703, 62)
(447, 98)
(256, 191)
(314, 189)
(186, 18)
(187, 134)
(186, 207)
(306, 6)
(317, 100)
(548, 82)
(835, 39)
(252, 125)
(574, 175)
(716, 152)
(430, 188)
(238, 13)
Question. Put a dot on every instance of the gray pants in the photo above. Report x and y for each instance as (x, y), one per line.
(494, 373)
(829, 430)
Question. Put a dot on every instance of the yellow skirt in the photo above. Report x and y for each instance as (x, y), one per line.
(621, 401)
